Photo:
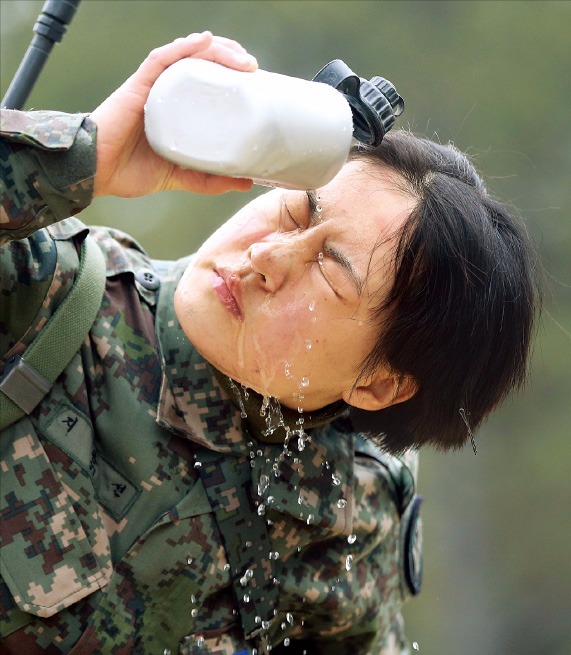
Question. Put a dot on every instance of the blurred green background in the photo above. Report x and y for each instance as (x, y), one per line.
(493, 77)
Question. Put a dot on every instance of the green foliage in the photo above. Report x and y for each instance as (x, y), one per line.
(492, 77)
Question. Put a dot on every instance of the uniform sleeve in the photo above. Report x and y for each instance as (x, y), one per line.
(48, 162)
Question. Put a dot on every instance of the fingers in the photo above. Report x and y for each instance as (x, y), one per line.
(228, 53)
(201, 45)
(161, 58)
(216, 185)
(206, 183)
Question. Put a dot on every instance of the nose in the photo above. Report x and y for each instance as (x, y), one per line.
(277, 259)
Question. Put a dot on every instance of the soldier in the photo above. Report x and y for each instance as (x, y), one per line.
(196, 480)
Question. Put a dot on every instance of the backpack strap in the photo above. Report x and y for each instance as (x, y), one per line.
(28, 378)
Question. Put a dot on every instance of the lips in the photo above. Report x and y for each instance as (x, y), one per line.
(226, 285)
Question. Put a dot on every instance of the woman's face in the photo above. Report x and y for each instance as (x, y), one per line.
(279, 297)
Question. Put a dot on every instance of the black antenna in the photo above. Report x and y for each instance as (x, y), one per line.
(49, 29)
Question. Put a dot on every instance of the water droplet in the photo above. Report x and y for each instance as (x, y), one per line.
(304, 382)
(289, 618)
(348, 562)
(167, 651)
(261, 509)
(236, 391)
(319, 209)
(258, 619)
(263, 484)
(310, 519)
(226, 566)
(287, 371)
(341, 503)
(336, 480)
(194, 613)
(189, 560)
(286, 642)
(415, 645)
(303, 438)
(274, 555)
(197, 465)
(192, 598)
(352, 538)
(265, 626)
(246, 598)
(200, 641)
(308, 344)
(248, 544)
(248, 575)
(312, 306)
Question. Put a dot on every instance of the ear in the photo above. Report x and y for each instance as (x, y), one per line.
(381, 391)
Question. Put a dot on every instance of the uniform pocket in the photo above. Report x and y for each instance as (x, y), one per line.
(47, 561)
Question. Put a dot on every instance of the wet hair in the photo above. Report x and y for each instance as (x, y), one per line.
(460, 314)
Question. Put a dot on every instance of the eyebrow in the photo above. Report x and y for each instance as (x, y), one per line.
(336, 255)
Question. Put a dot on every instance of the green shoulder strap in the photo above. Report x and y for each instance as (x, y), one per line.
(29, 378)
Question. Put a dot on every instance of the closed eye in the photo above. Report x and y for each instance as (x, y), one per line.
(332, 252)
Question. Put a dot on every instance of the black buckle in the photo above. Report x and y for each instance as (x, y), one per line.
(23, 384)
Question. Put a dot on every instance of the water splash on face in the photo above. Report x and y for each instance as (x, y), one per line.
(238, 395)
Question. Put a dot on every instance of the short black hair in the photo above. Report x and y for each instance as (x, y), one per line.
(460, 314)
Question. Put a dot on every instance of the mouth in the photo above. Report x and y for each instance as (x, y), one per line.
(226, 285)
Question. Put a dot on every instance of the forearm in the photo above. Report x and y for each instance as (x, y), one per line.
(48, 164)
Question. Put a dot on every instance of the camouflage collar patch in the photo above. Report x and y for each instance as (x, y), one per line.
(192, 402)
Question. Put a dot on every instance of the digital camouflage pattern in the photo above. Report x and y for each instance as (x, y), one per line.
(42, 186)
(140, 512)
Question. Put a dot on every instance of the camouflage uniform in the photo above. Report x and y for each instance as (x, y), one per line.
(141, 512)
